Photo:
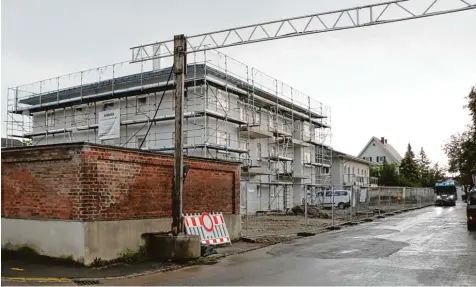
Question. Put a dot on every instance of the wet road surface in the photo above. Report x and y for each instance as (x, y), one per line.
(430, 246)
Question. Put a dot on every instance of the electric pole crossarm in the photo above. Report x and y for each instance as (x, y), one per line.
(369, 15)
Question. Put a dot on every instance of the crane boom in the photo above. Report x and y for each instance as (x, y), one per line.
(362, 16)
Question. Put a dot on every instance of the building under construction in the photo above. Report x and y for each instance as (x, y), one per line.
(231, 111)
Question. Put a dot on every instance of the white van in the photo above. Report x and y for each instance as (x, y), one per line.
(341, 198)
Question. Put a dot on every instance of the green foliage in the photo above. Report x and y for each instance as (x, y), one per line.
(27, 142)
(412, 172)
(461, 148)
(409, 169)
(388, 175)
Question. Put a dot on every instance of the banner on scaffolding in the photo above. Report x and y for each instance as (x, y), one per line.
(109, 124)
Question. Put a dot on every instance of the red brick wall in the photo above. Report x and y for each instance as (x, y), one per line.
(88, 182)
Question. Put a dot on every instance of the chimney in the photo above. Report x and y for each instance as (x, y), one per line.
(382, 140)
(157, 63)
(385, 141)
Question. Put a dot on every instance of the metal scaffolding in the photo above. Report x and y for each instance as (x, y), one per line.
(232, 111)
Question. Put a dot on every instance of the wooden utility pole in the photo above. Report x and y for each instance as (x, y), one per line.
(180, 70)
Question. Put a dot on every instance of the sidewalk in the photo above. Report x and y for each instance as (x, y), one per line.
(35, 269)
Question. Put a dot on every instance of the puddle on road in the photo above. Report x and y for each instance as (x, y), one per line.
(373, 248)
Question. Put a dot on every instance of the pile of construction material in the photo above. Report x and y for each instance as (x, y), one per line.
(312, 211)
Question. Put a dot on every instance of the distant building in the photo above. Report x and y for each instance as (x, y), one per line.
(6, 142)
(348, 170)
(380, 151)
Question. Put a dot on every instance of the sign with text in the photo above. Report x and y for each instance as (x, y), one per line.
(109, 124)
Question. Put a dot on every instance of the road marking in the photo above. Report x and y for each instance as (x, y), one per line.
(37, 279)
(17, 269)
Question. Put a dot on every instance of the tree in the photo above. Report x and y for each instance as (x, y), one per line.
(435, 175)
(409, 171)
(461, 148)
(424, 168)
(388, 175)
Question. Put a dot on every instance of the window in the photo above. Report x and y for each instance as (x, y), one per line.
(244, 145)
(258, 151)
(78, 116)
(257, 117)
(306, 129)
(307, 157)
(223, 138)
(242, 113)
(358, 171)
(271, 121)
(50, 119)
(141, 105)
(272, 151)
(353, 170)
(108, 106)
(325, 170)
(370, 158)
(222, 101)
(381, 159)
(141, 139)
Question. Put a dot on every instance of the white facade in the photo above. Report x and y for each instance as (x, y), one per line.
(379, 151)
(349, 171)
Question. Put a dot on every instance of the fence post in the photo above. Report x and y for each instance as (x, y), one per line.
(332, 190)
(404, 196)
(246, 210)
(351, 203)
(379, 204)
(390, 199)
(305, 207)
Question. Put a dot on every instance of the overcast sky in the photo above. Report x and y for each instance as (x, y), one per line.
(406, 81)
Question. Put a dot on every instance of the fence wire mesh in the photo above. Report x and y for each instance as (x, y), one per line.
(328, 208)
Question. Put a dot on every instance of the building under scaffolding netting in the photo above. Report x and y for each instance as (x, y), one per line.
(231, 111)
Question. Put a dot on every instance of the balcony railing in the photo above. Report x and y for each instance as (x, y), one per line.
(352, 179)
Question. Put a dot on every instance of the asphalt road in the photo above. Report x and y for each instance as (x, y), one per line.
(430, 246)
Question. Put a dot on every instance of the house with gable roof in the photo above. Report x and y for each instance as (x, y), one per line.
(380, 151)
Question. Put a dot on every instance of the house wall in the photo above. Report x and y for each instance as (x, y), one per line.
(57, 187)
(374, 150)
(346, 171)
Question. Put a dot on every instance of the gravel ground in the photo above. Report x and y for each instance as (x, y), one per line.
(269, 225)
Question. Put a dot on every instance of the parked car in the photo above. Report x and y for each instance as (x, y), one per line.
(341, 198)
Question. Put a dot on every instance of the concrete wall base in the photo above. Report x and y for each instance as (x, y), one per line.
(175, 248)
(85, 241)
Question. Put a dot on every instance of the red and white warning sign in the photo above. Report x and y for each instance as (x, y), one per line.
(210, 227)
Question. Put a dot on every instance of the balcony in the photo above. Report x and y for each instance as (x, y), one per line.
(352, 179)
(254, 167)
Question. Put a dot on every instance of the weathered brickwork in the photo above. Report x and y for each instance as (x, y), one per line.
(90, 182)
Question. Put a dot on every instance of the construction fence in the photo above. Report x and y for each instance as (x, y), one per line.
(333, 207)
